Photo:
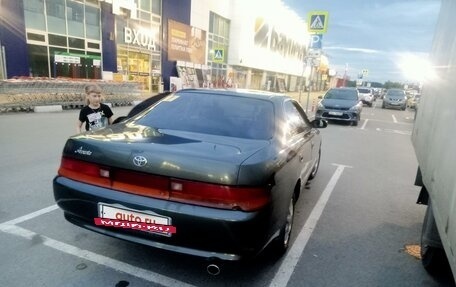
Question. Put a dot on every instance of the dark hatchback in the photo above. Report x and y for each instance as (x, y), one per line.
(342, 104)
(211, 173)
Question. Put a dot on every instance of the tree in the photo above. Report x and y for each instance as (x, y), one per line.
(393, 85)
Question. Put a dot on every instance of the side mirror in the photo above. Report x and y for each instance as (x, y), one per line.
(320, 97)
(320, 124)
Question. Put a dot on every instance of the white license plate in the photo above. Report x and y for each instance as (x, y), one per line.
(126, 214)
(336, 113)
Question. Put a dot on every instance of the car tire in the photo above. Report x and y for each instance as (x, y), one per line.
(433, 258)
(281, 243)
(355, 123)
(314, 171)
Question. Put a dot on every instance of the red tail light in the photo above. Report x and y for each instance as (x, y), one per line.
(197, 193)
(84, 171)
(220, 196)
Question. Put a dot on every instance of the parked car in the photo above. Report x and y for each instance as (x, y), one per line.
(366, 95)
(210, 173)
(395, 98)
(341, 104)
(413, 102)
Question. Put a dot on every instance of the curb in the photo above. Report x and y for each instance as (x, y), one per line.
(48, 109)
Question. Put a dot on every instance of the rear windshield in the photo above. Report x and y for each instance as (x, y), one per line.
(342, 94)
(223, 115)
(364, 91)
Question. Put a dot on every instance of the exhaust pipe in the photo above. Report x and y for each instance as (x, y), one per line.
(213, 269)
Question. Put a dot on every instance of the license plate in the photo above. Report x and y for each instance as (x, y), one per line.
(336, 113)
(126, 214)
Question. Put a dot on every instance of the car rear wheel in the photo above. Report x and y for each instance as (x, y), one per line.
(281, 243)
(314, 171)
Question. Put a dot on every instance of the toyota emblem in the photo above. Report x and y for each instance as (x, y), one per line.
(139, 160)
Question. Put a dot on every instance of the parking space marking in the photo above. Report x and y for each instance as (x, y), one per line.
(291, 259)
(11, 228)
(30, 215)
(408, 133)
(394, 119)
(364, 124)
(399, 123)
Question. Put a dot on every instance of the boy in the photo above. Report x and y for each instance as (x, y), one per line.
(95, 115)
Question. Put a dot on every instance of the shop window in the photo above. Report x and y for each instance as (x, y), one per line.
(57, 40)
(34, 14)
(91, 45)
(94, 2)
(75, 17)
(156, 7)
(58, 69)
(156, 19)
(38, 57)
(144, 16)
(92, 23)
(36, 37)
(76, 43)
(56, 16)
(145, 5)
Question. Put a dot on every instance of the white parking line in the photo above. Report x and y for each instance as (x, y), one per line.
(30, 215)
(364, 124)
(408, 133)
(394, 119)
(288, 265)
(11, 228)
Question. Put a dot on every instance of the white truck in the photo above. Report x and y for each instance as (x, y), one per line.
(434, 141)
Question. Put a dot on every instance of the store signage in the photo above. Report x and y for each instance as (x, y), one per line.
(67, 59)
(129, 5)
(267, 36)
(141, 37)
(186, 43)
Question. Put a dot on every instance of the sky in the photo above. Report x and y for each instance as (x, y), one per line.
(377, 35)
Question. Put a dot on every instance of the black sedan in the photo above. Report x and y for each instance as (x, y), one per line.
(211, 173)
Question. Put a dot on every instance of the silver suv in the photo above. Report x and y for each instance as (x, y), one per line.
(395, 98)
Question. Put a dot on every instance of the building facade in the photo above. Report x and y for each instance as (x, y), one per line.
(158, 43)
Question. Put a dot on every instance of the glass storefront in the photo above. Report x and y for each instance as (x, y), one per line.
(138, 46)
(218, 42)
(56, 27)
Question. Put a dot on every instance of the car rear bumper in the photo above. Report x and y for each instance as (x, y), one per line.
(200, 231)
(395, 105)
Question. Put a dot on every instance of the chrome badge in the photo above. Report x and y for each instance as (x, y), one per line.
(139, 160)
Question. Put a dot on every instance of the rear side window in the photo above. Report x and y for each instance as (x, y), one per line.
(214, 114)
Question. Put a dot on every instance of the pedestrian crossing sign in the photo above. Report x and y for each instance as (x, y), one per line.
(318, 21)
(219, 55)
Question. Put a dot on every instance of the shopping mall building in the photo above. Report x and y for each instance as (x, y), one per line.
(162, 44)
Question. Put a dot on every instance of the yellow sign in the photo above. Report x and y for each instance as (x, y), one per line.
(318, 22)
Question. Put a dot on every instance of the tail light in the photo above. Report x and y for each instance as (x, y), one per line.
(185, 191)
(85, 172)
